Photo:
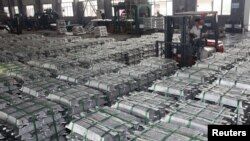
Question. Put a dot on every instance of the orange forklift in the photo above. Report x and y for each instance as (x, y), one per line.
(184, 51)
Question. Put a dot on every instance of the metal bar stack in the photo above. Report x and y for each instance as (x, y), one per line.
(78, 99)
(99, 126)
(41, 88)
(200, 74)
(166, 66)
(236, 98)
(8, 84)
(161, 131)
(77, 76)
(144, 75)
(53, 64)
(214, 64)
(107, 67)
(147, 106)
(197, 115)
(182, 88)
(29, 118)
(235, 78)
(113, 85)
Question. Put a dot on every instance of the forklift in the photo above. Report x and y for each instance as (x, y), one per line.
(184, 51)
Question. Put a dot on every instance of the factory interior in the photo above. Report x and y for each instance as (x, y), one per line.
(123, 70)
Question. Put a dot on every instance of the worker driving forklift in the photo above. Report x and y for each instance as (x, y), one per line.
(198, 37)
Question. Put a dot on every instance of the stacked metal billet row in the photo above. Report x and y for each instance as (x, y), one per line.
(29, 118)
(197, 115)
(105, 126)
(78, 99)
(107, 67)
(113, 84)
(200, 74)
(166, 66)
(8, 84)
(53, 64)
(177, 87)
(13, 66)
(241, 67)
(214, 64)
(144, 75)
(28, 74)
(77, 76)
(149, 107)
(236, 98)
(235, 78)
(161, 131)
(43, 87)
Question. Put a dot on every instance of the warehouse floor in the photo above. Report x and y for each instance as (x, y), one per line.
(115, 88)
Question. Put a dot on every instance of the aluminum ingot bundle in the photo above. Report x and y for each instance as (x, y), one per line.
(214, 64)
(41, 88)
(98, 126)
(107, 67)
(241, 67)
(14, 66)
(28, 74)
(51, 64)
(161, 131)
(166, 65)
(78, 98)
(235, 78)
(126, 117)
(78, 76)
(176, 87)
(144, 75)
(197, 115)
(31, 118)
(113, 84)
(200, 74)
(239, 99)
(147, 106)
(8, 84)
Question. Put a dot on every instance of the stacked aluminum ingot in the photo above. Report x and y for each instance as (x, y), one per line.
(29, 118)
(28, 74)
(166, 131)
(233, 97)
(41, 88)
(113, 84)
(78, 98)
(52, 64)
(147, 106)
(159, 23)
(78, 76)
(99, 126)
(8, 84)
(13, 66)
(200, 74)
(177, 87)
(214, 64)
(144, 75)
(107, 67)
(166, 66)
(148, 22)
(197, 115)
(235, 78)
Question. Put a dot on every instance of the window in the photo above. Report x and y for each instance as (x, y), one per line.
(204, 5)
(226, 7)
(47, 6)
(6, 10)
(165, 7)
(16, 9)
(67, 9)
(90, 7)
(115, 2)
(223, 7)
(30, 11)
